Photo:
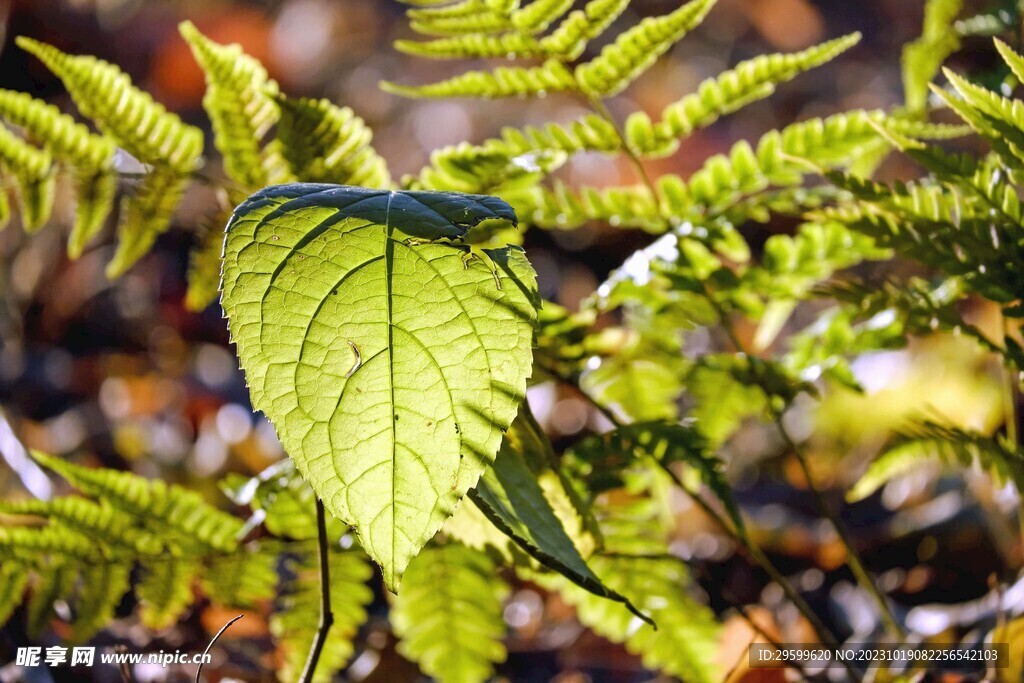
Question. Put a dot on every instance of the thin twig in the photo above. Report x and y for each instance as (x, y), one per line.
(126, 670)
(747, 548)
(207, 650)
(853, 558)
(326, 614)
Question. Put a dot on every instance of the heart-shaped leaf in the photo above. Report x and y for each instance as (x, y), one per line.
(389, 357)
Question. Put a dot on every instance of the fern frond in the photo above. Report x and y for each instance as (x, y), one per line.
(99, 591)
(204, 266)
(483, 19)
(33, 169)
(95, 192)
(538, 15)
(950, 444)
(64, 137)
(90, 156)
(568, 41)
(241, 580)
(564, 208)
(145, 215)
(503, 81)
(28, 544)
(600, 460)
(103, 523)
(686, 638)
(325, 143)
(238, 101)
(136, 121)
(169, 507)
(518, 157)
(5, 205)
(295, 622)
(474, 45)
(55, 583)
(730, 91)
(165, 590)
(448, 615)
(923, 57)
(724, 180)
(445, 9)
(635, 50)
(13, 580)
(1013, 60)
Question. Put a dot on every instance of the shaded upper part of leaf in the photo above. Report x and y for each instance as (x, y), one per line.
(410, 214)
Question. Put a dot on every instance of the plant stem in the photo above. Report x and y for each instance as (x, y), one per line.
(208, 647)
(853, 558)
(755, 555)
(602, 109)
(747, 547)
(326, 615)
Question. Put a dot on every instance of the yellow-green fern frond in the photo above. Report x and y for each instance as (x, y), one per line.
(53, 583)
(634, 51)
(570, 38)
(687, 631)
(448, 614)
(129, 115)
(241, 580)
(503, 81)
(294, 624)
(98, 593)
(204, 266)
(537, 16)
(1013, 60)
(724, 179)
(33, 169)
(506, 162)
(923, 57)
(326, 143)
(446, 10)
(90, 156)
(13, 579)
(484, 20)
(170, 507)
(565, 208)
(998, 119)
(731, 90)
(109, 525)
(64, 137)
(474, 46)
(238, 101)
(165, 590)
(145, 214)
(29, 545)
(5, 206)
(94, 193)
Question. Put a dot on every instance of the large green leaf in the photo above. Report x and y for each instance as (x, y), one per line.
(389, 357)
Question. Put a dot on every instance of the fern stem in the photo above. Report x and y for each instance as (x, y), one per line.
(753, 553)
(602, 110)
(326, 614)
(1010, 387)
(747, 548)
(853, 558)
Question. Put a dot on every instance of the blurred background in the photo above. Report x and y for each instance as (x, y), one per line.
(122, 374)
